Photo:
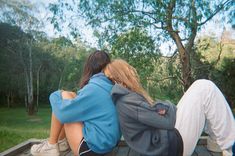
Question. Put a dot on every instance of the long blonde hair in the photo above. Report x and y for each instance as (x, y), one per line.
(120, 72)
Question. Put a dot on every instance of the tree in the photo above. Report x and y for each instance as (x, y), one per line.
(22, 14)
(214, 59)
(139, 49)
(176, 20)
(71, 58)
(19, 44)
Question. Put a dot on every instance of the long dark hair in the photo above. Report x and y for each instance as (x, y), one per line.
(94, 64)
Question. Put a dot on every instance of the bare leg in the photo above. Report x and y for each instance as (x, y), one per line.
(57, 130)
(62, 134)
(74, 135)
(73, 131)
(56, 127)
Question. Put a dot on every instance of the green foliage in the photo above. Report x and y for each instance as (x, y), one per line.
(175, 21)
(214, 60)
(21, 13)
(225, 79)
(130, 29)
(57, 64)
(138, 49)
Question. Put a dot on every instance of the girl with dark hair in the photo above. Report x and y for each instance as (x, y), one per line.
(88, 119)
(94, 64)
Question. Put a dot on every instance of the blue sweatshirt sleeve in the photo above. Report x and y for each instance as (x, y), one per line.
(79, 109)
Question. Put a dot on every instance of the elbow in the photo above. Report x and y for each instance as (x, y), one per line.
(170, 126)
(54, 97)
(170, 123)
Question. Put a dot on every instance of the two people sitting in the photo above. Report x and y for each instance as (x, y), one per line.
(111, 101)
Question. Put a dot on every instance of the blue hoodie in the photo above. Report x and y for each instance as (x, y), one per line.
(94, 107)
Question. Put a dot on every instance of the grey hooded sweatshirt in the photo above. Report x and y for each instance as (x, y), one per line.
(143, 128)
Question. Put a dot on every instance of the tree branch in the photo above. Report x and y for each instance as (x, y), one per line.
(193, 28)
(218, 9)
(172, 56)
(166, 78)
(149, 14)
(163, 79)
(221, 45)
(181, 19)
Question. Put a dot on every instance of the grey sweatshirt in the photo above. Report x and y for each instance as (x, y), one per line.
(143, 128)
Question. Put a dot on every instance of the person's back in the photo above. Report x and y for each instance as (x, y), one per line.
(86, 122)
(94, 107)
(198, 108)
(153, 137)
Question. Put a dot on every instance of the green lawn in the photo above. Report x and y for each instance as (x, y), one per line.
(16, 126)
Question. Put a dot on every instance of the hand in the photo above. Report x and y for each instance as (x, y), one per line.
(161, 112)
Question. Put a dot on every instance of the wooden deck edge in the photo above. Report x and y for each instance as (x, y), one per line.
(20, 147)
(202, 141)
(26, 144)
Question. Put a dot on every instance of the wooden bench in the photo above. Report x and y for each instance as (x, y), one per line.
(122, 149)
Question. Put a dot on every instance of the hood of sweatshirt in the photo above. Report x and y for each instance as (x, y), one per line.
(118, 91)
(102, 81)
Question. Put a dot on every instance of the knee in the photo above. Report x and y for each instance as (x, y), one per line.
(68, 95)
(204, 83)
(74, 124)
(204, 86)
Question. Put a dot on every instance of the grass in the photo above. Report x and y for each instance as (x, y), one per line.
(16, 126)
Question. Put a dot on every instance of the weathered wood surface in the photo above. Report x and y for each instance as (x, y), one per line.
(23, 149)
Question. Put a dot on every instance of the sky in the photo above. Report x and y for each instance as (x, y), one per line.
(213, 27)
(86, 33)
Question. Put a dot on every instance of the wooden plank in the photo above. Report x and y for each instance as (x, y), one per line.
(133, 153)
(202, 151)
(216, 153)
(202, 140)
(66, 153)
(25, 153)
(122, 143)
(23, 147)
(113, 153)
(123, 151)
(194, 154)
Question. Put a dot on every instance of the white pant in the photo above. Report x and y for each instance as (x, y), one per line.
(203, 105)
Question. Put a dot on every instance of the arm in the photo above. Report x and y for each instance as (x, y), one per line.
(73, 110)
(151, 116)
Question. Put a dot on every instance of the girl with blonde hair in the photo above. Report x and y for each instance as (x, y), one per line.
(159, 128)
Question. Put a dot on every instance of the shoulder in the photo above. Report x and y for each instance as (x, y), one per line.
(133, 99)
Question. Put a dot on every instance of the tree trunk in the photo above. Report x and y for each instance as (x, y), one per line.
(28, 71)
(31, 110)
(30, 93)
(38, 78)
(26, 103)
(61, 77)
(8, 100)
(184, 54)
(184, 59)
